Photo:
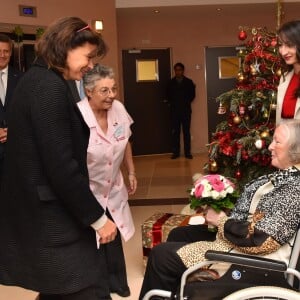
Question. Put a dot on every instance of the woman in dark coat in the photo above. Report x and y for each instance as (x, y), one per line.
(48, 213)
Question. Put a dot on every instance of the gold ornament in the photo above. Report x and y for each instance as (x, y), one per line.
(213, 166)
(237, 120)
(273, 106)
(240, 76)
(278, 72)
(254, 31)
(259, 94)
(253, 70)
(265, 134)
(265, 114)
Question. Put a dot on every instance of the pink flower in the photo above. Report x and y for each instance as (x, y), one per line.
(213, 190)
(199, 188)
(216, 182)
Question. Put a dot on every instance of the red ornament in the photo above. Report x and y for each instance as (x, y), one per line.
(273, 42)
(262, 67)
(242, 35)
(242, 109)
(245, 154)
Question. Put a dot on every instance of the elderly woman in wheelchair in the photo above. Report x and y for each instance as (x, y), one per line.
(263, 222)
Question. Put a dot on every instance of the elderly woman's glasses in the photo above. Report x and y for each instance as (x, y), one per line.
(104, 92)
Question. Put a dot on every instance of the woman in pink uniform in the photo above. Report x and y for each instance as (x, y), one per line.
(108, 149)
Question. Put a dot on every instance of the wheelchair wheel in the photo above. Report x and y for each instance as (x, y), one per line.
(264, 292)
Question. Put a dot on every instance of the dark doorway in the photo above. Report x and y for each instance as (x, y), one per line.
(23, 53)
(23, 56)
(215, 85)
(145, 101)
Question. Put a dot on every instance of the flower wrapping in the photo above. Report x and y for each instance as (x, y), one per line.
(215, 191)
(156, 229)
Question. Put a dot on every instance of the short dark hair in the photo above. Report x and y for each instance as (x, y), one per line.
(4, 38)
(180, 65)
(63, 35)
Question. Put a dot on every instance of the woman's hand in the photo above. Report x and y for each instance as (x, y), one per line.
(108, 232)
(132, 183)
(212, 217)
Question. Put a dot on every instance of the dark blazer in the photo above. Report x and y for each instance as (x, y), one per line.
(74, 90)
(12, 80)
(46, 205)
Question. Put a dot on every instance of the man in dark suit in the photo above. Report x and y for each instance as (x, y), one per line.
(8, 81)
(180, 94)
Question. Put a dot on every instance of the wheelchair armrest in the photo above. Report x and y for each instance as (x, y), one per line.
(246, 260)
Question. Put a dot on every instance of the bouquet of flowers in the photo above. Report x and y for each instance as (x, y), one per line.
(213, 190)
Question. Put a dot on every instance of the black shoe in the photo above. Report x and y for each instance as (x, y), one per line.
(122, 292)
(174, 156)
(189, 156)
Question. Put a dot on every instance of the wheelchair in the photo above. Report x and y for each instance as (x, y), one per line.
(248, 277)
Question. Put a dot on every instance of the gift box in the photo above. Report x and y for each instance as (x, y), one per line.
(157, 228)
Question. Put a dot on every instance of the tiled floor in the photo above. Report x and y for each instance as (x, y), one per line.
(160, 177)
(162, 187)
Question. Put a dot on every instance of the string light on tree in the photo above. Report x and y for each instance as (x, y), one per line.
(238, 174)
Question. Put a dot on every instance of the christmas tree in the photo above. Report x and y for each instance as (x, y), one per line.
(239, 146)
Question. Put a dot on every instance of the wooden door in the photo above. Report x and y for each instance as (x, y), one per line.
(145, 101)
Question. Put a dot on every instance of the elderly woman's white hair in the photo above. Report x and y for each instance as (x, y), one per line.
(293, 127)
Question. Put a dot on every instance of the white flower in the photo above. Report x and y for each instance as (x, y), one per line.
(205, 182)
(215, 194)
(206, 194)
(230, 189)
(223, 194)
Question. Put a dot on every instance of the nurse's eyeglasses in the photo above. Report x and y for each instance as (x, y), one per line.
(106, 91)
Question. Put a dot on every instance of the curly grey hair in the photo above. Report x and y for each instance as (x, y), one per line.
(96, 73)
